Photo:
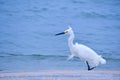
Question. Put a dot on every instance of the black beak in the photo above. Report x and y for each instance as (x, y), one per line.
(60, 33)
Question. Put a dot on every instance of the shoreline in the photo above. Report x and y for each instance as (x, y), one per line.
(61, 75)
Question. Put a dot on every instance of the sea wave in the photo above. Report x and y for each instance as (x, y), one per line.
(92, 14)
(59, 57)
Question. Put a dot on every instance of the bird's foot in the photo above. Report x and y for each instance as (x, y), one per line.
(90, 68)
(70, 57)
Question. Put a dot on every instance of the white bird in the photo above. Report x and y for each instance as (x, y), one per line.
(85, 53)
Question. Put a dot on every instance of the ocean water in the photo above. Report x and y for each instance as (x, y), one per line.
(27, 29)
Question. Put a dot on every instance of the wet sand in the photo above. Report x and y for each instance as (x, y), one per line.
(61, 75)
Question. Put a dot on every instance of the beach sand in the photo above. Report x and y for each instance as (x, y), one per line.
(61, 75)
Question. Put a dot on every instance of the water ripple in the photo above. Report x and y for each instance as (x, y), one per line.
(98, 15)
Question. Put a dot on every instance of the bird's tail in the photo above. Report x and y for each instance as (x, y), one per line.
(102, 61)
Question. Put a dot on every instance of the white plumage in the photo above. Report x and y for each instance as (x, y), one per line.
(83, 52)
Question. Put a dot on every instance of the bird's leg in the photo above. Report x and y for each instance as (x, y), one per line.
(70, 57)
(89, 66)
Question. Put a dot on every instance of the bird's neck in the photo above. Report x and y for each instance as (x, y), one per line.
(70, 39)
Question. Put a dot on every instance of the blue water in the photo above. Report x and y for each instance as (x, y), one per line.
(27, 29)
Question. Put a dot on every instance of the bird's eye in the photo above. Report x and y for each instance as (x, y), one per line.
(66, 31)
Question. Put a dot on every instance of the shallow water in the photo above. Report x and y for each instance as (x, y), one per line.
(27, 29)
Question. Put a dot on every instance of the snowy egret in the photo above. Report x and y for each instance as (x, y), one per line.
(85, 53)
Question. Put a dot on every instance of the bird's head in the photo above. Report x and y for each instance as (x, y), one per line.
(68, 31)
